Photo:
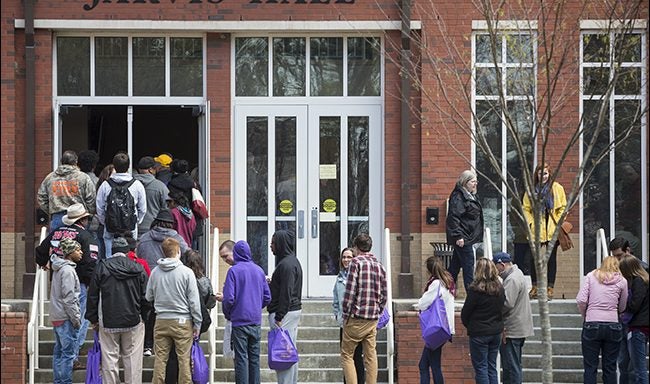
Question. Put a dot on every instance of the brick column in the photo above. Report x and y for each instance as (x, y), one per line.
(14, 347)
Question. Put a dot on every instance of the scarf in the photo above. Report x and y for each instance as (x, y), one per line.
(545, 194)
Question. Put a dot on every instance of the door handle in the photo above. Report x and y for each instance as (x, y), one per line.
(301, 224)
(314, 223)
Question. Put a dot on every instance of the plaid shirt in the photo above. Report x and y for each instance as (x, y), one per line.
(365, 290)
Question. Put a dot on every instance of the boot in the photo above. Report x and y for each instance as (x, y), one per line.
(533, 293)
(549, 293)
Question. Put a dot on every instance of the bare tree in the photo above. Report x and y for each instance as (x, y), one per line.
(524, 77)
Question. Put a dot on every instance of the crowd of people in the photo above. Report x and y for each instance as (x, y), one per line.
(122, 250)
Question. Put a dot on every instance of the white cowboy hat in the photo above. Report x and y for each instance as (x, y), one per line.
(75, 212)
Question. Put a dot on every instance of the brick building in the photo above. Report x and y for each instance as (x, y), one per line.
(297, 117)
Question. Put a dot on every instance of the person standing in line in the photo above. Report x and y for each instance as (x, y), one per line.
(285, 307)
(63, 187)
(116, 307)
(245, 294)
(95, 225)
(464, 226)
(337, 305)
(517, 317)
(363, 303)
(184, 219)
(440, 283)
(173, 290)
(638, 325)
(554, 203)
(225, 253)
(602, 296)
(88, 162)
(65, 313)
(155, 190)
(482, 315)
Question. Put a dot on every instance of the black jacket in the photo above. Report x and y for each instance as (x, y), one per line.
(286, 282)
(49, 246)
(638, 303)
(465, 218)
(482, 314)
(122, 284)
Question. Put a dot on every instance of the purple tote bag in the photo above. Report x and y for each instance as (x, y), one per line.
(282, 352)
(200, 368)
(434, 323)
(94, 362)
(383, 319)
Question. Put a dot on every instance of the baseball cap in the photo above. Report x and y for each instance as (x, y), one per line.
(163, 159)
(502, 257)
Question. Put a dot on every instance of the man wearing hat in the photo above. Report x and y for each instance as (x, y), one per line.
(163, 171)
(155, 190)
(517, 317)
(119, 285)
(74, 226)
(150, 249)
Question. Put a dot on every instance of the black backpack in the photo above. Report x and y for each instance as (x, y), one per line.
(208, 301)
(120, 215)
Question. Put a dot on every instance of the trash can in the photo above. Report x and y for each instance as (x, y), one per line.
(443, 251)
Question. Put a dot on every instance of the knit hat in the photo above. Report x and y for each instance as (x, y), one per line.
(163, 159)
(67, 246)
(165, 215)
(120, 245)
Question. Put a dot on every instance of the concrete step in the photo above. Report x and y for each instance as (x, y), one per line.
(560, 375)
(558, 334)
(561, 320)
(560, 348)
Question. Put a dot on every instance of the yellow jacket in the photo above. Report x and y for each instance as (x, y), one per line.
(559, 205)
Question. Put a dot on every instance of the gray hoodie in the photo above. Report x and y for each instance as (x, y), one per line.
(64, 297)
(156, 192)
(173, 290)
(150, 244)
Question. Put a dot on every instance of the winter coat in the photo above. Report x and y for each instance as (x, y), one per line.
(150, 245)
(156, 192)
(65, 186)
(602, 301)
(184, 223)
(245, 292)
(548, 221)
(173, 290)
(464, 218)
(638, 303)
(482, 314)
(64, 294)
(517, 312)
(121, 284)
(286, 282)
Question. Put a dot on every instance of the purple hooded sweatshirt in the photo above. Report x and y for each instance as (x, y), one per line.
(245, 292)
(602, 301)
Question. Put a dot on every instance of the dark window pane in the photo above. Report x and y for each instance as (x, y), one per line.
(364, 78)
(326, 66)
(149, 66)
(486, 81)
(111, 66)
(488, 49)
(595, 48)
(519, 49)
(285, 165)
(358, 170)
(628, 81)
(520, 82)
(596, 81)
(186, 66)
(257, 238)
(289, 66)
(251, 66)
(257, 170)
(628, 48)
(73, 66)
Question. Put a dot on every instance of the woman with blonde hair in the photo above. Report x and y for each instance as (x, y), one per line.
(482, 315)
(602, 297)
(554, 204)
(637, 308)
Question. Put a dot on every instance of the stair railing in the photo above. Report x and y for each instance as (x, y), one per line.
(37, 307)
(390, 330)
(487, 244)
(213, 267)
(602, 250)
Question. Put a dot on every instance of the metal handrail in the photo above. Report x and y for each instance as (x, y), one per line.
(602, 250)
(487, 244)
(37, 306)
(213, 267)
(390, 330)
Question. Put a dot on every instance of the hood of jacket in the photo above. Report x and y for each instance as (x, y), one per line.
(57, 263)
(160, 233)
(65, 169)
(241, 252)
(144, 178)
(284, 244)
(169, 263)
(610, 278)
(121, 177)
(121, 270)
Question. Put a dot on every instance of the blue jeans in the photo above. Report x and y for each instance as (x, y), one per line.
(600, 338)
(484, 351)
(511, 360)
(83, 330)
(624, 367)
(246, 343)
(636, 346)
(65, 351)
(290, 323)
(431, 360)
(463, 258)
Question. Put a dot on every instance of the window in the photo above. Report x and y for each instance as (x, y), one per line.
(614, 100)
(504, 78)
(308, 66)
(161, 66)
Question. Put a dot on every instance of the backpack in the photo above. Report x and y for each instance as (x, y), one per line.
(205, 311)
(120, 215)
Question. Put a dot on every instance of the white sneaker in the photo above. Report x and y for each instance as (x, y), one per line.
(148, 352)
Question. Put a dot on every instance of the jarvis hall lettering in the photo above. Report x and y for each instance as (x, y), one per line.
(95, 3)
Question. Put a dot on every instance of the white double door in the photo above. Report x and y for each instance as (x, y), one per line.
(313, 170)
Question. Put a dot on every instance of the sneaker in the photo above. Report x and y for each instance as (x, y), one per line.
(148, 352)
(77, 365)
(533, 293)
(549, 293)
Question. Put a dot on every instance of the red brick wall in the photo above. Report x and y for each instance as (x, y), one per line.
(456, 362)
(14, 346)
